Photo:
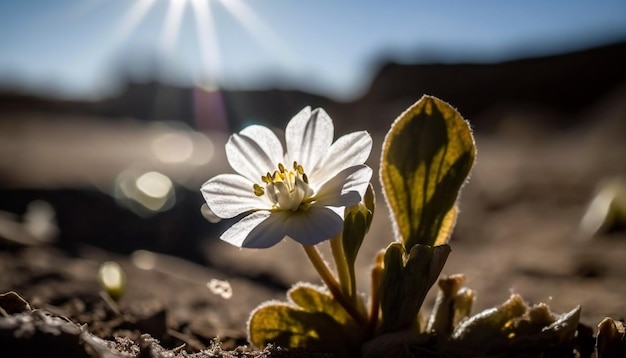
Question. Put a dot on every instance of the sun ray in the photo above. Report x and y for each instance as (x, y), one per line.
(208, 46)
(207, 40)
(257, 28)
(133, 17)
(171, 29)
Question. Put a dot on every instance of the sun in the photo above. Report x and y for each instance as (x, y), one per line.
(206, 32)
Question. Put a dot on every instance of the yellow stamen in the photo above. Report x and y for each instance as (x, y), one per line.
(286, 189)
(258, 190)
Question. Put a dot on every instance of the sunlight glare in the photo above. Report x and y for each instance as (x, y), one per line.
(206, 37)
(171, 29)
(264, 34)
(133, 17)
(208, 45)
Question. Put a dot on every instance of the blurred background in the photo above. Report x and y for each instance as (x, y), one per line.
(113, 114)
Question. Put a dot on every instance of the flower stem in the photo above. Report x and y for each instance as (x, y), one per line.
(377, 273)
(343, 271)
(322, 269)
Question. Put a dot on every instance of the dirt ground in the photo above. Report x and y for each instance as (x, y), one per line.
(518, 231)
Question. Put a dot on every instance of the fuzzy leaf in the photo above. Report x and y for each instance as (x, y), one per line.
(491, 319)
(450, 302)
(406, 281)
(484, 331)
(426, 157)
(564, 328)
(314, 320)
(611, 339)
(316, 300)
(291, 327)
(516, 329)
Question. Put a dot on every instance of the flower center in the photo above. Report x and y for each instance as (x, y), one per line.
(287, 189)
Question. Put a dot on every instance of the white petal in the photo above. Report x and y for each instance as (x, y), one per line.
(263, 229)
(255, 231)
(229, 195)
(349, 150)
(254, 151)
(314, 225)
(346, 188)
(308, 136)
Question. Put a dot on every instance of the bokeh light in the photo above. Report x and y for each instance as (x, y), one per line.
(144, 193)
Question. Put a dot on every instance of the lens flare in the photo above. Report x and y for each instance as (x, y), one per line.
(171, 28)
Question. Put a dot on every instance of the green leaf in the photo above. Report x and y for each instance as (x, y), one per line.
(316, 300)
(516, 328)
(564, 328)
(611, 339)
(406, 281)
(488, 329)
(451, 302)
(426, 158)
(313, 320)
(291, 327)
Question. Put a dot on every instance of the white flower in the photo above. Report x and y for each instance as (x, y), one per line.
(300, 193)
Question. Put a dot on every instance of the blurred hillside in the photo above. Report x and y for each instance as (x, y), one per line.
(560, 85)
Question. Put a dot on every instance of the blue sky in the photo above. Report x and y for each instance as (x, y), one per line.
(77, 48)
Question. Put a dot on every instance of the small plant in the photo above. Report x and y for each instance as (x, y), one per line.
(318, 191)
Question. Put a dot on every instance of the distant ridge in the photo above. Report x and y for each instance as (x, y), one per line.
(564, 84)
